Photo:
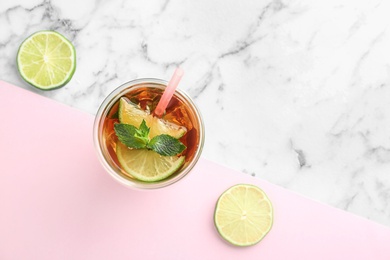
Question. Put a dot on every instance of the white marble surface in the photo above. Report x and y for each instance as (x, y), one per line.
(294, 92)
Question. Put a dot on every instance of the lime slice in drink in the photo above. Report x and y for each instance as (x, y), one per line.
(130, 113)
(243, 215)
(147, 165)
(46, 60)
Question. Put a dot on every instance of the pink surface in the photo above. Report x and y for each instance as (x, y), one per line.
(57, 202)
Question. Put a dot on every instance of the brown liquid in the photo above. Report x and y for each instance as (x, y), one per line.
(177, 112)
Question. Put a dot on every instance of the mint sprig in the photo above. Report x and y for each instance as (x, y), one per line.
(138, 138)
(130, 136)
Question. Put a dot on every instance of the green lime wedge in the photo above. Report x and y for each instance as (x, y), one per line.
(130, 113)
(46, 60)
(147, 165)
(243, 215)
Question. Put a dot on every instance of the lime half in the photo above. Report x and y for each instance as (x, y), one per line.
(130, 113)
(46, 60)
(243, 215)
(147, 165)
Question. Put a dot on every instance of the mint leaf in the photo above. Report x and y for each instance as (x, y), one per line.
(138, 138)
(143, 130)
(166, 145)
(129, 136)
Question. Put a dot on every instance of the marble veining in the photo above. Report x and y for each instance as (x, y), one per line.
(294, 92)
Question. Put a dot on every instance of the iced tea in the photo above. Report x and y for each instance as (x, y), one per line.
(146, 93)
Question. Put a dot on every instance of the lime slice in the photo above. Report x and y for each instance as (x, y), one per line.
(243, 215)
(46, 60)
(130, 113)
(147, 165)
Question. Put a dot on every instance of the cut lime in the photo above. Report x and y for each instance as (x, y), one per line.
(46, 60)
(147, 165)
(243, 215)
(130, 113)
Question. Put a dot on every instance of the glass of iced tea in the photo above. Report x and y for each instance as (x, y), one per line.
(131, 107)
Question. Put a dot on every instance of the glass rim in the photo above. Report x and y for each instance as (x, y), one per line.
(106, 105)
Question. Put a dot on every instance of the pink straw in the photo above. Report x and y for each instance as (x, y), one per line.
(168, 93)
